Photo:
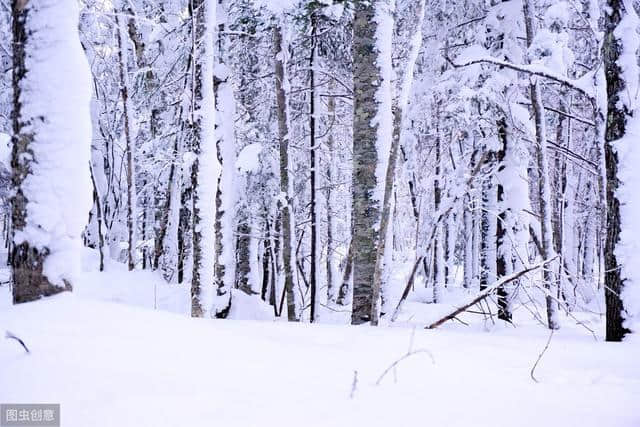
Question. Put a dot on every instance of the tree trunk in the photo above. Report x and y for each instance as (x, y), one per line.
(343, 292)
(205, 167)
(286, 205)
(48, 141)
(544, 193)
(98, 203)
(225, 224)
(163, 211)
(438, 249)
(619, 112)
(243, 253)
(503, 249)
(330, 196)
(313, 279)
(384, 249)
(488, 230)
(371, 85)
(468, 242)
(129, 143)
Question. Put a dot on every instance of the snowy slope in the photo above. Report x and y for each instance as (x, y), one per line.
(116, 365)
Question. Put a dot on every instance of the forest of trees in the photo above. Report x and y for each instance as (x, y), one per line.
(303, 151)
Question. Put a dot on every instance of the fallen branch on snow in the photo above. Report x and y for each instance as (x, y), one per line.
(488, 291)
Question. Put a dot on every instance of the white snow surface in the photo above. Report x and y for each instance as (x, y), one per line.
(57, 88)
(122, 363)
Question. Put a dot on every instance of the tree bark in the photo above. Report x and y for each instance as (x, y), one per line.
(366, 207)
(286, 205)
(38, 130)
(204, 168)
(313, 279)
(617, 118)
(544, 193)
(503, 251)
(129, 143)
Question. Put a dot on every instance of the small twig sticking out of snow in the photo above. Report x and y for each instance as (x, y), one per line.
(410, 352)
(540, 356)
(354, 384)
(9, 335)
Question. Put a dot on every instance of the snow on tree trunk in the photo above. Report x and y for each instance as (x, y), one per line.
(205, 168)
(225, 262)
(384, 38)
(622, 274)
(51, 147)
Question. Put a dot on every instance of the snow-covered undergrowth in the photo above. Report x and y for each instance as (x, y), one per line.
(110, 359)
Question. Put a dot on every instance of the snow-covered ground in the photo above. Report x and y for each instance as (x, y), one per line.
(123, 364)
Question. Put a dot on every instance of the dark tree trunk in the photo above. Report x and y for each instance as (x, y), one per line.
(502, 256)
(438, 270)
(365, 210)
(616, 128)
(343, 292)
(244, 256)
(313, 282)
(99, 219)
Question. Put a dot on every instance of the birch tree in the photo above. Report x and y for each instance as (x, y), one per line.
(205, 167)
(372, 133)
(286, 196)
(544, 192)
